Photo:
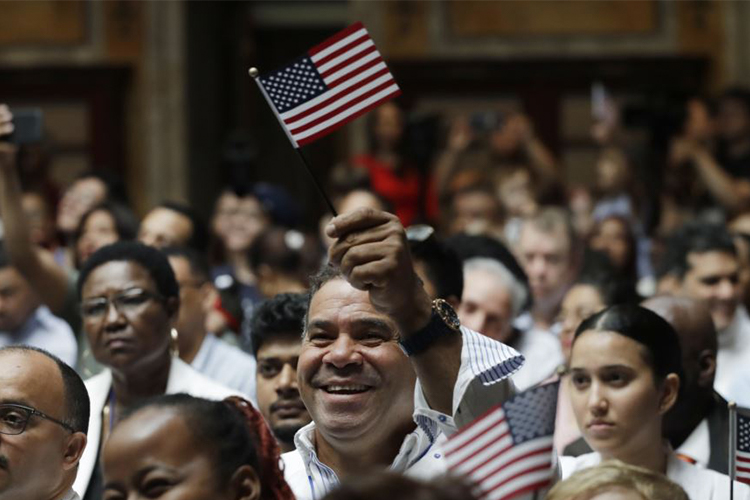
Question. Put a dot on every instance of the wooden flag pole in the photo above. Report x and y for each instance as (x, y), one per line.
(732, 446)
(253, 72)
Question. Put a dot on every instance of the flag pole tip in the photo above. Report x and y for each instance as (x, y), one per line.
(253, 72)
(732, 404)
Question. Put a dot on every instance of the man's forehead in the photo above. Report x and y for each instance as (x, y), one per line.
(701, 261)
(553, 238)
(32, 378)
(337, 301)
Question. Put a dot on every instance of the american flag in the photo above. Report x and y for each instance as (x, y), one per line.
(507, 452)
(335, 82)
(742, 451)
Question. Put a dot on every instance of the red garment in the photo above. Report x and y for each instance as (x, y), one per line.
(402, 190)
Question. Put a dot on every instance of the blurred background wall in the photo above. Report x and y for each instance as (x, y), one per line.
(158, 91)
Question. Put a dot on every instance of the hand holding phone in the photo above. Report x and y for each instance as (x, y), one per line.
(23, 126)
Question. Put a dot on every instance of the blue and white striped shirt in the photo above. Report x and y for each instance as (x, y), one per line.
(483, 382)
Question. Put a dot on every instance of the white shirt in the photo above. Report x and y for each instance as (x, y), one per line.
(543, 354)
(227, 365)
(46, 331)
(484, 364)
(71, 495)
(698, 445)
(733, 358)
(698, 483)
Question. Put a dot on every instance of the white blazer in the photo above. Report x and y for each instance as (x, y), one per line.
(182, 378)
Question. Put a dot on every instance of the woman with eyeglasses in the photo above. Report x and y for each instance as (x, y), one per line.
(625, 368)
(129, 301)
(186, 448)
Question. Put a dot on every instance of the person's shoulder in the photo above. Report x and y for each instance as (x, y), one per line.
(230, 353)
(296, 475)
(184, 378)
(571, 465)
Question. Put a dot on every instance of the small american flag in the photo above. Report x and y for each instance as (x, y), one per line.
(507, 452)
(742, 456)
(334, 83)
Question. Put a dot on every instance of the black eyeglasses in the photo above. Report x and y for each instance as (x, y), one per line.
(14, 419)
(125, 302)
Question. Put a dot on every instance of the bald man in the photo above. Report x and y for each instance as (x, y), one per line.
(44, 412)
(698, 424)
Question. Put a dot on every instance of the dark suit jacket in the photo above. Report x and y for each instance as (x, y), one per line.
(718, 432)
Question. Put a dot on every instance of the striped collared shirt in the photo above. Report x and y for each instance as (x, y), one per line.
(482, 382)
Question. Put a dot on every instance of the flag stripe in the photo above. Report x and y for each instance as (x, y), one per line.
(743, 469)
(350, 117)
(482, 457)
(493, 416)
(320, 60)
(376, 68)
(325, 112)
(349, 52)
(332, 43)
(741, 455)
(508, 476)
(389, 91)
(332, 77)
(513, 457)
(490, 435)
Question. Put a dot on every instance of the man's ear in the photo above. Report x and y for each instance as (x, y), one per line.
(707, 366)
(245, 484)
(670, 391)
(74, 447)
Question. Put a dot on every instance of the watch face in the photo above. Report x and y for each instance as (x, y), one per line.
(448, 314)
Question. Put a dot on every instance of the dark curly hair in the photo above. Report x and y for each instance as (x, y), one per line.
(280, 315)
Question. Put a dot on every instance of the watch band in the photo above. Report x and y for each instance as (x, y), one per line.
(443, 321)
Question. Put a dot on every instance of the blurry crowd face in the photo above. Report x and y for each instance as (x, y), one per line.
(245, 224)
(715, 278)
(163, 228)
(226, 205)
(33, 464)
(486, 305)
(516, 193)
(611, 236)
(194, 301)
(733, 120)
(17, 300)
(616, 401)
(475, 212)
(40, 222)
(699, 125)
(611, 174)
(354, 379)
(276, 382)
(99, 230)
(81, 196)
(153, 454)
(389, 126)
(579, 303)
(125, 318)
(546, 259)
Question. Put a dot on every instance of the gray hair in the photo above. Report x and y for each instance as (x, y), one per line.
(518, 293)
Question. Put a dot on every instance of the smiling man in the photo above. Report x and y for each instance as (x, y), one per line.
(44, 412)
(385, 373)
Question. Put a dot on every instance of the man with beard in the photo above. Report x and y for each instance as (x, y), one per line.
(276, 330)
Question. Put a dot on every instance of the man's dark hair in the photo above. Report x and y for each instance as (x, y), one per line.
(470, 246)
(599, 272)
(280, 315)
(197, 261)
(442, 265)
(199, 235)
(151, 259)
(693, 238)
(77, 404)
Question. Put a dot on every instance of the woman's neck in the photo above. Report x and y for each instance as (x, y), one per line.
(653, 457)
(129, 388)
(241, 267)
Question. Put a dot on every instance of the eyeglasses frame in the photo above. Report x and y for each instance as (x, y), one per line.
(34, 412)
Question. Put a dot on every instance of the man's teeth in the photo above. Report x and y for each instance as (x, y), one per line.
(345, 389)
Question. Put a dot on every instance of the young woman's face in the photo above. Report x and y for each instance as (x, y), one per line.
(579, 303)
(616, 401)
(153, 455)
(98, 231)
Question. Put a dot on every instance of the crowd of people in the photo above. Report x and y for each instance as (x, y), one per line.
(254, 357)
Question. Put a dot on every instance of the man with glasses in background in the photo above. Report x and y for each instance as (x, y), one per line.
(44, 415)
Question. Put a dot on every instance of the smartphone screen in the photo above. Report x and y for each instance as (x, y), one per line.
(28, 126)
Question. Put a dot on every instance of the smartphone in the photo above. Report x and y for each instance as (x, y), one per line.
(28, 126)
